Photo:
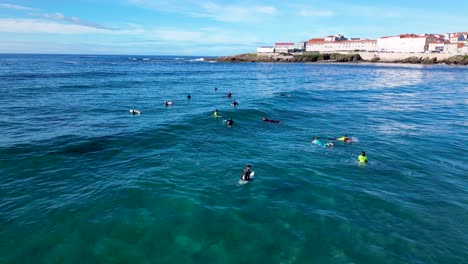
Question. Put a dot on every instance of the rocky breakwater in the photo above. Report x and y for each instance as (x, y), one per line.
(254, 57)
(455, 60)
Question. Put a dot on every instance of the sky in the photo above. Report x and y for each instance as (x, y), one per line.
(210, 28)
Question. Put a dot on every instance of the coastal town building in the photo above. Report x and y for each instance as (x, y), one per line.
(437, 47)
(300, 46)
(457, 37)
(410, 43)
(320, 45)
(450, 43)
(266, 49)
(455, 48)
(284, 47)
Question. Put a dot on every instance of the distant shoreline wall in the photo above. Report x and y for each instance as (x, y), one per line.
(401, 56)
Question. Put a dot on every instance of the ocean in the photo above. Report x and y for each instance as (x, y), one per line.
(84, 181)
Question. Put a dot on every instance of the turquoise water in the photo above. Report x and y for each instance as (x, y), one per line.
(83, 181)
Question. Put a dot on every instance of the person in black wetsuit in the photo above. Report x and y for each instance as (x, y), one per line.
(246, 173)
(229, 94)
(189, 96)
(234, 103)
(230, 122)
(270, 120)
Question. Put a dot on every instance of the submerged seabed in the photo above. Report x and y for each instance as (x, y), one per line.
(83, 181)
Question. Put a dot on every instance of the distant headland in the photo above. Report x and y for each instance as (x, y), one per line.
(449, 48)
(347, 57)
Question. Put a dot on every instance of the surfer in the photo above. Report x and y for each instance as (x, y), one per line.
(344, 138)
(215, 114)
(229, 94)
(282, 94)
(318, 142)
(270, 120)
(189, 96)
(234, 103)
(134, 112)
(246, 173)
(167, 103)
(230, 122)
(362, 158)
(216, 88)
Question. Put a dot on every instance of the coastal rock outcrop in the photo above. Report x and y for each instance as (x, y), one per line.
(459, 60)
(336, 57)
(314, 57)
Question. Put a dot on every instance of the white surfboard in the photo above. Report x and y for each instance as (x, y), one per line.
(242, 182)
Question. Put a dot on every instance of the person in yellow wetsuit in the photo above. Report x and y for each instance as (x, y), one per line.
(344, 138)
(362, 158)
(215, 114)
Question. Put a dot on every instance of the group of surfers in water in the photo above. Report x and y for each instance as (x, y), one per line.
(246, 173)
(361, 158)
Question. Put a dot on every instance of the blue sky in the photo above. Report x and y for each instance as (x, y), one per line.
(217, 27)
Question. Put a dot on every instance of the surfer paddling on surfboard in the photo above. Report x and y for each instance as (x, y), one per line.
(345, 138)
(269, 120)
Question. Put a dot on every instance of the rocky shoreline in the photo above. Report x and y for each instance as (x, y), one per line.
(336, 57)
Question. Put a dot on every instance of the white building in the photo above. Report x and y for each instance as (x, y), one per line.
(300, 46)
(405, 43)
(284, 47)
(455, 48)
(437, 46)
(322, 46)
(266, 49)
(457, 37)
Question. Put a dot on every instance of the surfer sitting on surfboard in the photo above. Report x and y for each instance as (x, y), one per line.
(230, 122)
(246, 173)
(229, 94)
(215, 114)
(234, 103)
(269, 120)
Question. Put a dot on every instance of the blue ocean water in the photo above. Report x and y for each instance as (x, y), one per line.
(83, 181)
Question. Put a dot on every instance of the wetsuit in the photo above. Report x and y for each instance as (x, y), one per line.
(319, 143)
(344, 139)
(246, 175)
(229, 123)
(215, 114)
(362, 159)
(271, 121)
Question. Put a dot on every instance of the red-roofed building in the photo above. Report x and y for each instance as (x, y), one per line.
(437, 46)
(457, 37)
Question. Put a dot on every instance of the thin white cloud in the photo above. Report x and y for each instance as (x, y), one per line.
(212, 10)
(235, 13)
(15, 7)
(75, 20)
(316, 13)
(12, 25)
